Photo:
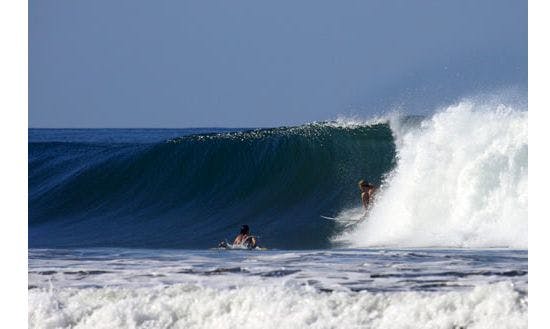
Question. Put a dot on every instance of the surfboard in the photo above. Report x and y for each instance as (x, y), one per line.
(341, 220)
(229, 246)
(344, 222)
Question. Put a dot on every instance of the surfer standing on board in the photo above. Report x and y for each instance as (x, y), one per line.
(367, 192)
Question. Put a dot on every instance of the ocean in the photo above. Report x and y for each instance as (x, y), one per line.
(124, 224)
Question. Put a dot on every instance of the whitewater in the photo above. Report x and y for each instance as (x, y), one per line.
(460, 181)
(124, 224)
(120, 288)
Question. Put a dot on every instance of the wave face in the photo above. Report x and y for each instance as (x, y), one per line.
(195, 190)
(460, 181)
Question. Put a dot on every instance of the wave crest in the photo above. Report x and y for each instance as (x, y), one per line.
(460, 181)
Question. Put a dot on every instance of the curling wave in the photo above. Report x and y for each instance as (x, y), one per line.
(460, 181)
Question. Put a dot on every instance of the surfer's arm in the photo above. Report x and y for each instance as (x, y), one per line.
(238, 239)
(252, 241)
(372, 192)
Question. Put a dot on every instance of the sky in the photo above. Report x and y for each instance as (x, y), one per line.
(178, 64)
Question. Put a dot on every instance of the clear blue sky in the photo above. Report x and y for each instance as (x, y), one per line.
(136, 63)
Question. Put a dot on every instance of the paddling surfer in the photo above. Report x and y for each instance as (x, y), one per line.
(244, 238)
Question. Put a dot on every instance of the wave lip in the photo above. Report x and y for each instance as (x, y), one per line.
(460, 181)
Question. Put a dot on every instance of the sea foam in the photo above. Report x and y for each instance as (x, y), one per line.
(279, 306)
(460, 181)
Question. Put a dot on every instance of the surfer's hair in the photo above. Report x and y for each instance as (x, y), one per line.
(365, 183)
(245, 229)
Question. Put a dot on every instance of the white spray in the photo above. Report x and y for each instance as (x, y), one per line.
(460, 181)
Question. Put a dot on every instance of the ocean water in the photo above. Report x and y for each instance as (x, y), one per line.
(343, 288)
(124, 224)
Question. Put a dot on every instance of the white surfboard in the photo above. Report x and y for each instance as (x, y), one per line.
(341, 220)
